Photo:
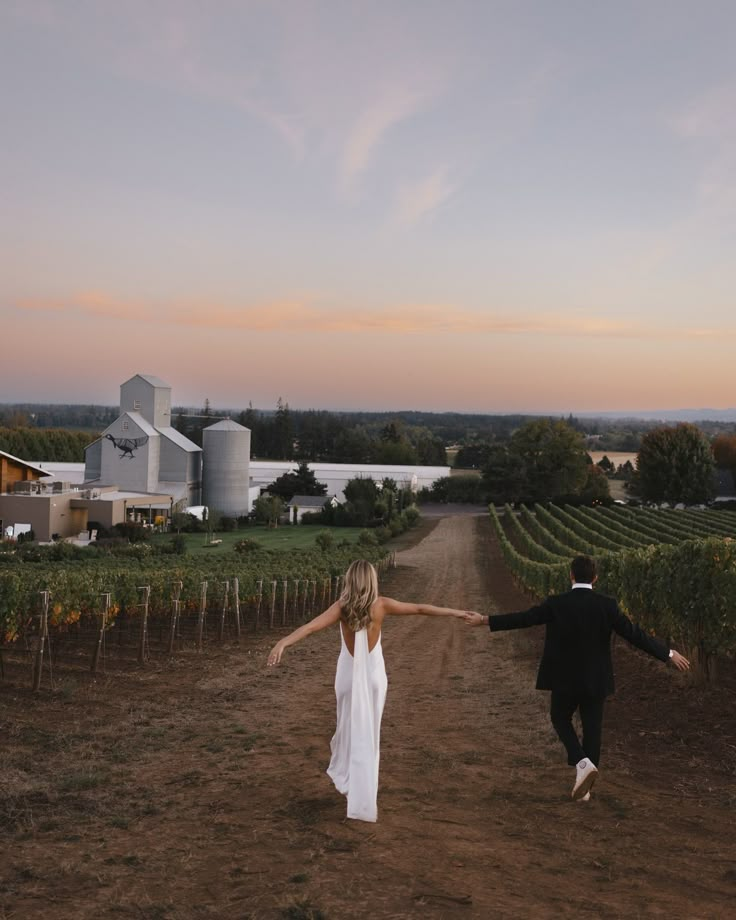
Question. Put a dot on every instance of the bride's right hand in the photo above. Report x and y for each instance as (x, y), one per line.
(275, 655)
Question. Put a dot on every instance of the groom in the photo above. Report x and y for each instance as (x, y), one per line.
(576, 663)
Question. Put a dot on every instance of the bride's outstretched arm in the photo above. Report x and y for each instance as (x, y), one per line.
(328, 618)
(399, 608)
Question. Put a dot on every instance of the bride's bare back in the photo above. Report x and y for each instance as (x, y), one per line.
(382, 607)
(387, 606)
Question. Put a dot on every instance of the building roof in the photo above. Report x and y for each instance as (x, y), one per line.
(227, 424)
(145, 426)
(143, 498)
(149, 378)
(309, 501)
(179, 439)
(25, 463)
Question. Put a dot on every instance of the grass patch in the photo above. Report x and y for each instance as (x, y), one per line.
(286, 537)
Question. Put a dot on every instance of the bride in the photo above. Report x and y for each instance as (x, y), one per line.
(360, 681)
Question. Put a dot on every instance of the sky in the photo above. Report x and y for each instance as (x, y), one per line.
(476, 206)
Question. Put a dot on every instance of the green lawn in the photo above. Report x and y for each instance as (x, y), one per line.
(289, 536)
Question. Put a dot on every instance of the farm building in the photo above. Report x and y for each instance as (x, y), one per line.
(54, 509)
(141, 451)
(308, 504)
(337, 475)
(13, 469)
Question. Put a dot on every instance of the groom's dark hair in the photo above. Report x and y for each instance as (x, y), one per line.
(583, 569)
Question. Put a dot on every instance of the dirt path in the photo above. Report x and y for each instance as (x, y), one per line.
(197, 789)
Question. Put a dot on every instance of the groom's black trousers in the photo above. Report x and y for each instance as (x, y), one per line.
(562, 709)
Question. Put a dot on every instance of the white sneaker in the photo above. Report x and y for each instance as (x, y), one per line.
(586, 773)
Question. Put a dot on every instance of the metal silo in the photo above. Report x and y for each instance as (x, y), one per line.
(226, 467)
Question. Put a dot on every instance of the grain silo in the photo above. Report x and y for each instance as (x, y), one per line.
(226, 467)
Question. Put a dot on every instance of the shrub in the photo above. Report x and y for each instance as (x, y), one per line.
(324, 540)
(396, 526)
(412, 515)
(228, 524)
(246, 546)
(313, 517)
(367, 538)
(135, 533)
(179, 545)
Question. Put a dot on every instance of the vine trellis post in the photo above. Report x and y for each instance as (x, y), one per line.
(225, 604)
(305, 599)
(236, 606)
(143, 651)
(259, 602)
(272, 613)
(175, 611)
(99, 650)
(202, 615)
(43, 637)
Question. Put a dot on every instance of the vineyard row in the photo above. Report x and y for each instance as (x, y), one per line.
(682, 585)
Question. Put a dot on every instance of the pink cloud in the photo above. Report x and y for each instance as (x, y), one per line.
(304, 317)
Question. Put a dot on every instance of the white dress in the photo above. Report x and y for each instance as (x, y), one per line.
(360, 688)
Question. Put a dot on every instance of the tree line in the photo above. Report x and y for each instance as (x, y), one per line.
(327, 437)
(47, 445)
(547, 461)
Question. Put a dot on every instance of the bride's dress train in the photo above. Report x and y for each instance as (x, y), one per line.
(360, 688)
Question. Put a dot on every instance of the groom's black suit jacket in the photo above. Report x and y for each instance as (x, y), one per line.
(577, 645)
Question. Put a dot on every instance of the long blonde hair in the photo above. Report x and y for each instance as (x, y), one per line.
(359, 594)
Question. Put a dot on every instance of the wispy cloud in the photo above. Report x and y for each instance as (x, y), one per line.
(709, 123)
(370, 129)
(304, 317)
(711, 115)
(417, 200)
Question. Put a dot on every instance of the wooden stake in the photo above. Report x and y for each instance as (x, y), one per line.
(42, 637)
(236, 606)
(175, 606)
(225, 602)
(98, 652)
(273, 605)
(202, 615)
(143, 642)
(260, 600)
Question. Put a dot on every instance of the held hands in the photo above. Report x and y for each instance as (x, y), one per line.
(679, 661)
(475, 619)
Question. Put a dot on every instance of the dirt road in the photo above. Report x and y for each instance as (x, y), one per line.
(197, 789)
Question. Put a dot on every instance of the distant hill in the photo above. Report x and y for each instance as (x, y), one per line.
(668, 415)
